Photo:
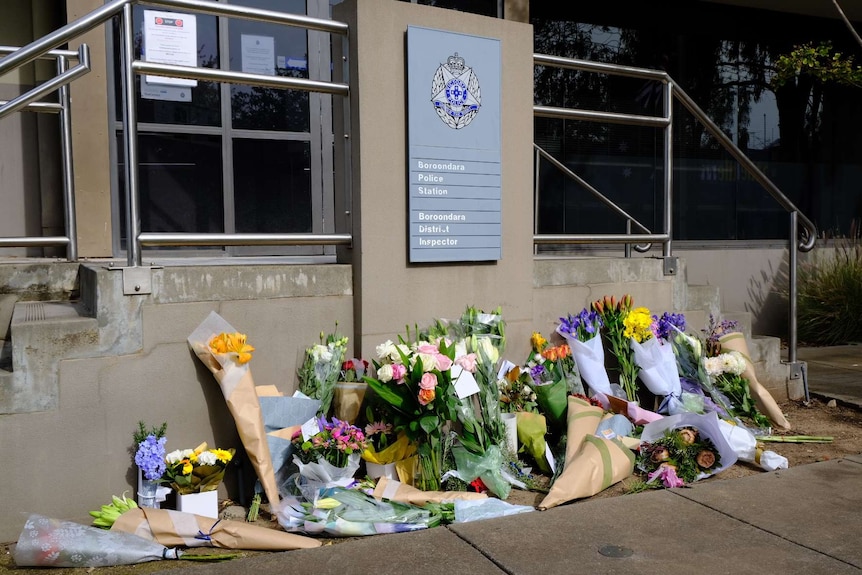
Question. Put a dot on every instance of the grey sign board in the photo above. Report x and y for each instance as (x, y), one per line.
(454, 168)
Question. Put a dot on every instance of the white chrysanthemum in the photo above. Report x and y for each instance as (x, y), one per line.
(385, 349)
(734, 362)
(178, 455)
(714, 366)
(207, 458)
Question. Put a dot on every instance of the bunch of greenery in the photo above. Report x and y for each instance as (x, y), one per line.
(829, 298)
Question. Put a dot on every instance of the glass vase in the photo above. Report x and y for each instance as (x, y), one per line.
(429, 463)
(147, 492)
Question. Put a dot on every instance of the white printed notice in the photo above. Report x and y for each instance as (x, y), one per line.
(258, 54)
(170, 38)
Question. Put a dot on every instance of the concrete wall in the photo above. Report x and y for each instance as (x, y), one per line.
(389, 292)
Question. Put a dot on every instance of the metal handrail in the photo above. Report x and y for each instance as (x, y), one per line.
(28, 102)
(798, 242)
(47, 45)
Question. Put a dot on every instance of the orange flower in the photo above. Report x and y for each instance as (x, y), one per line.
(426, 396)
(232, 344)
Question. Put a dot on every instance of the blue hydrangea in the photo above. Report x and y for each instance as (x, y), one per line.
(150, 457)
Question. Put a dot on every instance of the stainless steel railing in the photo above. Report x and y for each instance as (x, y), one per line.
(803, 241)
(130, 67)
(30, 102)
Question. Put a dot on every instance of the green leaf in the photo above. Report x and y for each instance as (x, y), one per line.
(387, 393)
(429, 423)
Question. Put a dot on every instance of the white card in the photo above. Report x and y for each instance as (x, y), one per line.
(310, 428)
(465, 383)
(505, 367)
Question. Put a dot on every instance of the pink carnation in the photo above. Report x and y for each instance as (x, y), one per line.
(398, 372)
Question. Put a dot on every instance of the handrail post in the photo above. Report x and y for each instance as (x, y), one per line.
(797, 369)
(130, 119)
(536, 198)
(667, 248)
(68, 169)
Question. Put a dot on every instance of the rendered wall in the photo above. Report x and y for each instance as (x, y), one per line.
(390, 293)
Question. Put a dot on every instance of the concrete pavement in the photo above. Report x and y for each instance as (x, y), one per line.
(803, 520)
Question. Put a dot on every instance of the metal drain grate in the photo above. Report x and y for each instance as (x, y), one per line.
(34, 311)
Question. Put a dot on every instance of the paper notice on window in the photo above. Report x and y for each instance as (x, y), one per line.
(258, 55)
(170, 38)
(165, 92)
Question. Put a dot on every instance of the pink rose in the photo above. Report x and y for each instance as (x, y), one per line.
(467, 362)
(428, 348)
(443, 362)
(428, 381)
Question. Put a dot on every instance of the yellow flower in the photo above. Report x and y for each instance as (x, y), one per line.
(637, 324)
(187, 467)
(233, 344)
(223, 455)
(327, 503)
(537, 341)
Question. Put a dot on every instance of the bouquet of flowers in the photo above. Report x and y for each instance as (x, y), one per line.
(582, 333)
(321, 369)
(196, 470)
(150, 450)
(551, 370)
(415, 381)
(327, 453)
(150, 457)
(385, 447)
(618, 329)
(350, 389)
(516, 393)
(655, 359)
(335, 441)
(725, 371)
(683, 448)
(353, 369)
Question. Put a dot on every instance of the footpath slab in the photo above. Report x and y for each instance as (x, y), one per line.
(817, 506)
(650, 532)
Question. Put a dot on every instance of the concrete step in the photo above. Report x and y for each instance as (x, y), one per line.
(42, 334)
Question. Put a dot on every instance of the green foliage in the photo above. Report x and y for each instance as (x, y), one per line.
(829, 298)
(142, 432)
(820, 62)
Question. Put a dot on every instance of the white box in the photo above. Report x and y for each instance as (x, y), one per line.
(204, 504)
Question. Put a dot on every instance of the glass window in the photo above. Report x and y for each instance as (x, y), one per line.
(160, 104)
(796, 135)
(261, 48)
(272, 186)
(180, 183)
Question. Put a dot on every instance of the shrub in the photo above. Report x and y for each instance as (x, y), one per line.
(829, 298)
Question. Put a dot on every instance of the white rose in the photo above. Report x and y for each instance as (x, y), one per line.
(384, 373)
(395, 355)
(429, 361)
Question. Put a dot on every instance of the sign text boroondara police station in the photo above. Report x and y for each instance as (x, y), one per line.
(454, 147)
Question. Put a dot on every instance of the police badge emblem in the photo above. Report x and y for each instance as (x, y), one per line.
(455, 93)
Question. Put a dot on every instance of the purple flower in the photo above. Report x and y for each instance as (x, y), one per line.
(666, 323)
(582, 326)
(150, 457)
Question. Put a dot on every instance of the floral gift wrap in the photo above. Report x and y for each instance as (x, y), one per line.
(684, 448)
